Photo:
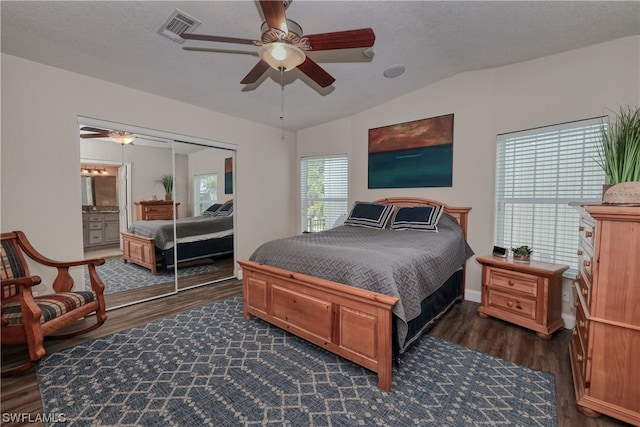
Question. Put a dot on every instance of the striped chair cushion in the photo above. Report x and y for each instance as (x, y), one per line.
(10, 266)
(52, 306)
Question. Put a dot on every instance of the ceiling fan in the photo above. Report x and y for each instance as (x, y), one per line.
(119, 136)
(282, 45)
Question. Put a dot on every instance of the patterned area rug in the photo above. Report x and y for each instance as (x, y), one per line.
(119, 276)
(209, 367)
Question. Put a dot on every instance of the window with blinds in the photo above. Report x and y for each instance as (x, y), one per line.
(538, 172)
(324, 191)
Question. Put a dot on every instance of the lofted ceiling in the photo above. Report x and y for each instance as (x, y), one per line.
(118, 41)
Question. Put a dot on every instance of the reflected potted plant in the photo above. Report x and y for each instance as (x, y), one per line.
(522, 253)
(167, 182)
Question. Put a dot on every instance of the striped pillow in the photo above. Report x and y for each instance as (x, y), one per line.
(423, 218)
(370, 215)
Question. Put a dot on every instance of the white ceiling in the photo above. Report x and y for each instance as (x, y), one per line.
(117, 41)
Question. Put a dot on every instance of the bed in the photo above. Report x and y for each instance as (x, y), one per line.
(151, 244)
(316, 288)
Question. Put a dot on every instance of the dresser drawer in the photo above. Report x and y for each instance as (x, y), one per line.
(587, 233)
(521, 306)
(513, 281)
(155, 209)
(584, 288)
(582, 325)
(95, 218)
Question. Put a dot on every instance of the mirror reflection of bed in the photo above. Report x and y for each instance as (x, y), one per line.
(117, 180)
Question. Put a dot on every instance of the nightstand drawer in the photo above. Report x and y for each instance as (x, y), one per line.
(524, 307)
(514, 281)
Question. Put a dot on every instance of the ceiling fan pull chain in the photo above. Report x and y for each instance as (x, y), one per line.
(281, 93)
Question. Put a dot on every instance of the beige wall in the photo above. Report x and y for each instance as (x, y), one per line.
(40, 149)
(574, 85)
(40, 156)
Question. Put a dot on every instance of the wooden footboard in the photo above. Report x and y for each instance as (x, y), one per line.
(139, 250)
(351, 322)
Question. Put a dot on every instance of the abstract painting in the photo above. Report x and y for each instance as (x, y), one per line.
(228, 175)
(412, 154)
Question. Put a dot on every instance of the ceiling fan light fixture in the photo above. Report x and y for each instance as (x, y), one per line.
(121, 137)
(281, 55)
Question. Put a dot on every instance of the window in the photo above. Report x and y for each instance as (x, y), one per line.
(538, 172)
(324, 183)
(205, 192)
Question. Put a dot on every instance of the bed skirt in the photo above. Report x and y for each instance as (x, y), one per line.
(433, 308)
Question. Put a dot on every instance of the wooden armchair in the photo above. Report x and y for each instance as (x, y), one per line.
(28, 319)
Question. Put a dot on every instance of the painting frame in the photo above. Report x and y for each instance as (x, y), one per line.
(228, 175)
(412, 154)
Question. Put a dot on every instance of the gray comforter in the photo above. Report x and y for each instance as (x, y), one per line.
(162, 230)
(406, 264)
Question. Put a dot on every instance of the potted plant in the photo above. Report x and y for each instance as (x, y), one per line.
(167, 182)
(522, 253)
(620, 153)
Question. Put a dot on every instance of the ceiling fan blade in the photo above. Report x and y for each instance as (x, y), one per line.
(94, 135)
(274, 14)
(316, 73)
(364, 37)
(255, 73)
(206, 49)
(207, 38)
(90, 129)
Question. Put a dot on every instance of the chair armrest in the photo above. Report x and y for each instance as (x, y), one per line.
(30, 309)
(23, 281)
(38, 257)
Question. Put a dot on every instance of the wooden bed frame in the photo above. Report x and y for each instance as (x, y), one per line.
(351, 322)
(141, 250)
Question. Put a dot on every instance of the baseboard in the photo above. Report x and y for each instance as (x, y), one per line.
(569, 320)
(473, 296)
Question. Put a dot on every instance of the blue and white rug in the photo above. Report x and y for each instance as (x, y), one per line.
(209, 367)
(120, 276)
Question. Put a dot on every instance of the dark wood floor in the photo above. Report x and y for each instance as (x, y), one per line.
(20, 394)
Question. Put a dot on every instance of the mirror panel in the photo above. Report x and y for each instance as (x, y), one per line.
(205, 254)
(133, 222)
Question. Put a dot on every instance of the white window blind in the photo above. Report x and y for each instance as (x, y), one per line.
(538, 172)
(324, 191)
(205, 192)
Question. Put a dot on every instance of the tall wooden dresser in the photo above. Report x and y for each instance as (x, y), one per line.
(605, 348)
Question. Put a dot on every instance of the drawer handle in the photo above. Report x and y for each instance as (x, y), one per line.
(511, 283)
(580, 357)
(585, 292)
(581, 228)
(589, 234)
(579, 252)
(518, 306)
(582, 323)
(586, 263)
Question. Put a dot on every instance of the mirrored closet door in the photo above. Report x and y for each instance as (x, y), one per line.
(150, 209)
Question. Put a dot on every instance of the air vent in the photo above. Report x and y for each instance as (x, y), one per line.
(177, 24)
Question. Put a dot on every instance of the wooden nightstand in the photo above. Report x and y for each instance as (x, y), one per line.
(529, 295)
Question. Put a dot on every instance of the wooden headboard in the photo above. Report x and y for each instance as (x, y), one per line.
(459, 213)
